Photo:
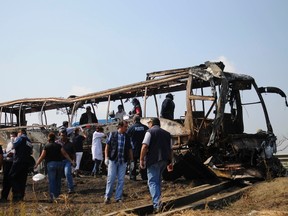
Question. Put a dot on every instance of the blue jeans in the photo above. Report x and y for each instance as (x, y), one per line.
(154, 173)
(68, 174)
(115, 170)
(54, 169)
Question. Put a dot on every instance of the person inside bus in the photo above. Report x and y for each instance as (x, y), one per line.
(65, 126)
(137, 110)
(120, 113)
(168, 107)
(88, 117)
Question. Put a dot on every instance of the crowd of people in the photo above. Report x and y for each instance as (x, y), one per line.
(148, 149)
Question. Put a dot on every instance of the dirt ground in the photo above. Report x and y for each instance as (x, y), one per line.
(265, 198)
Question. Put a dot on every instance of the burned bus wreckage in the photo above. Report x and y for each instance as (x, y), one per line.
(209, 139)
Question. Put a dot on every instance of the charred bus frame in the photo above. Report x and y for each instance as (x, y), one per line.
(207, 133)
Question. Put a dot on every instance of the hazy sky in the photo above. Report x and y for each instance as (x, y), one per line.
(58, 48)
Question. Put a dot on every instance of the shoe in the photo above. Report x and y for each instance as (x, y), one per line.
(76, 174)
(3, 200)
(98, 176)
(119, 201)
(156, 210)
(52, 200)
(71, 191)
(133, 178)
(107, 201)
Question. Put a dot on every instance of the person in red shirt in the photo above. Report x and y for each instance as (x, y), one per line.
(136, 108)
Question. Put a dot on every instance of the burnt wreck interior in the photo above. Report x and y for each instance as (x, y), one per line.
(209, 141)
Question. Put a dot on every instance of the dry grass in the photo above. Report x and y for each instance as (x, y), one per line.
(265, 198)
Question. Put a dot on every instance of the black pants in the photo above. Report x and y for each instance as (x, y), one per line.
(133, 173)
(18, 175)
(96, 168)
(7, 184)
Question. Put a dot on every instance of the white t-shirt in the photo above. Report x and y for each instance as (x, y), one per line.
(119, 115)
(96, 148)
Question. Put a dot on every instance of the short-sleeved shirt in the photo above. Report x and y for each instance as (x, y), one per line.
(137, 132)
(68, 147)
(53, 152)
(158, 141)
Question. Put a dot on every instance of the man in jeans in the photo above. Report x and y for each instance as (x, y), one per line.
(118, 151)
(137, 132)
(156, 148)
(69, 148)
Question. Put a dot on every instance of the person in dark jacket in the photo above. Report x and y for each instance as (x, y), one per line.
(21, 163)
(7, 164)
(77, 140)
(137, 132)
(118, 152)
(88, 117)
(156, 153)
(168, 107)
(137, 110)
(1, 156)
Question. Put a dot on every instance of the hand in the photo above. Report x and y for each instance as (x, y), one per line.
(10, 154)
(170, 167)
(142, 164)
(106, 161)
(132, 165)
(73, 163)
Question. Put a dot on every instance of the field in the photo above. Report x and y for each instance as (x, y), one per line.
(265, 198)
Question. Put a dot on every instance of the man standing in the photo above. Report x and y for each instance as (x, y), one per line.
(7, 164)
(168, 106)
(1, 162)
(88, 117)
(157, 149)
(20, 167)
(1, 156)
(137, 132)
(117, 152)
(70, 149)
